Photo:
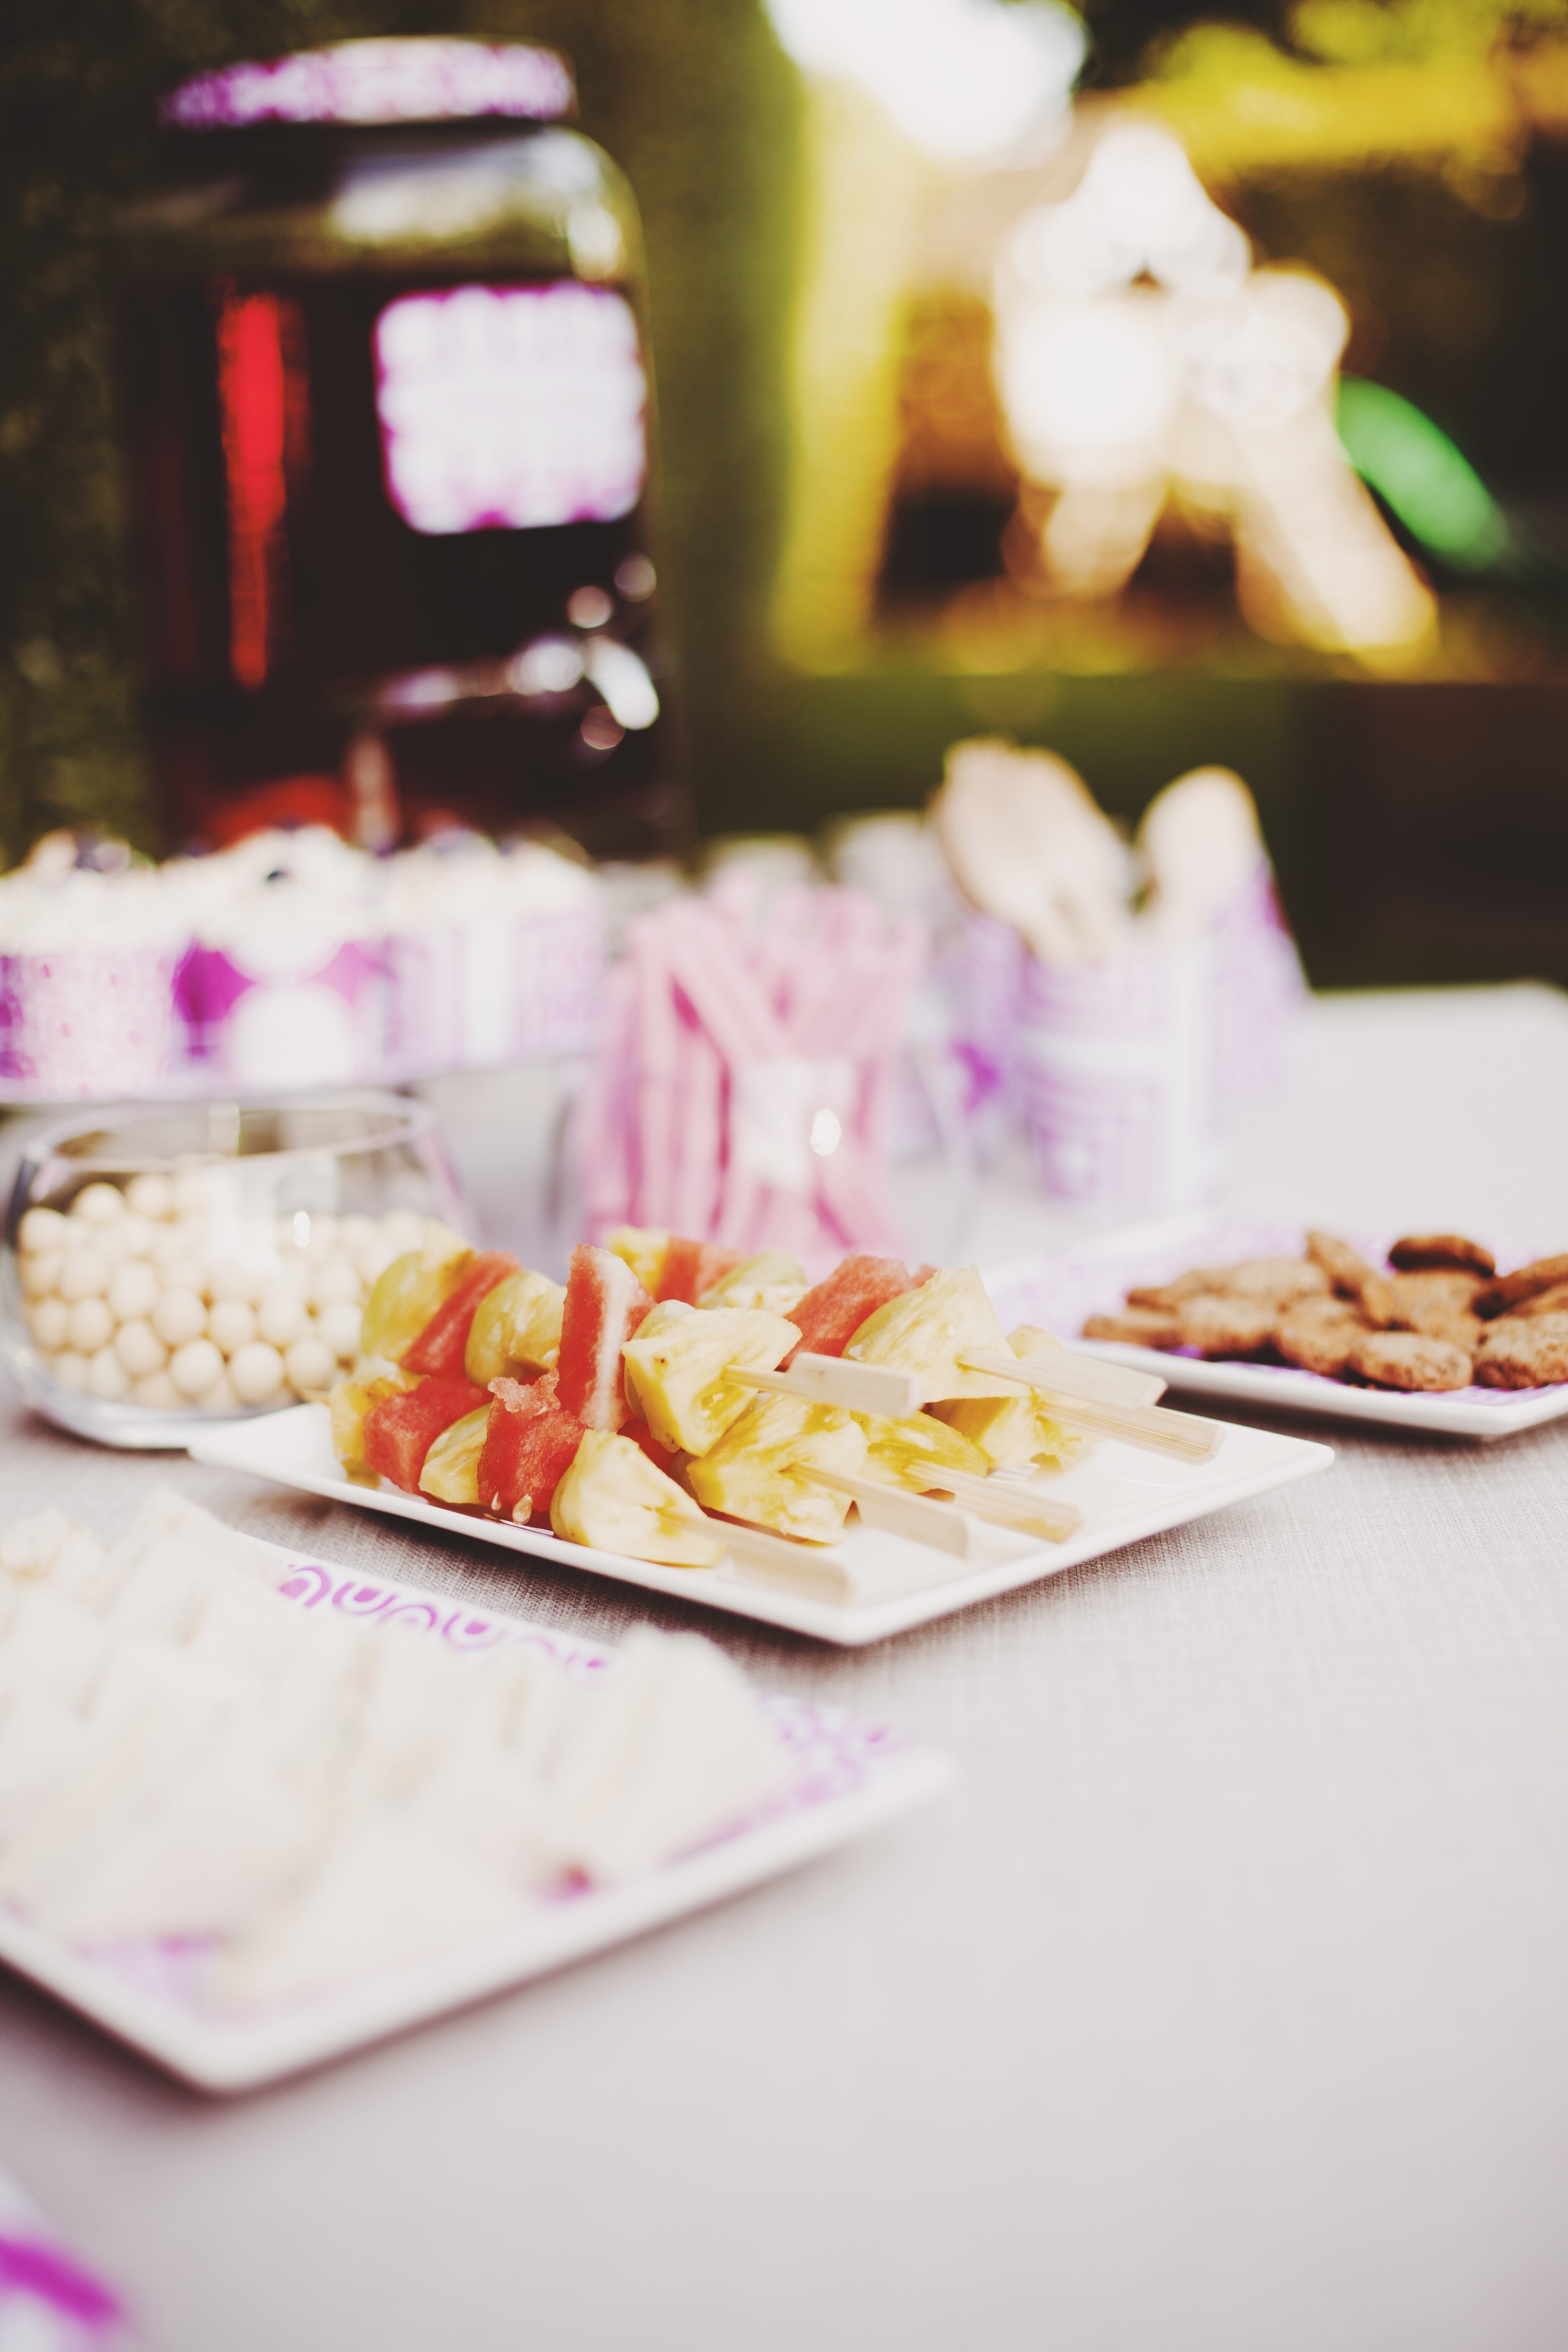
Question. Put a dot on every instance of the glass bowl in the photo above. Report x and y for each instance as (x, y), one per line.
(166, 1266)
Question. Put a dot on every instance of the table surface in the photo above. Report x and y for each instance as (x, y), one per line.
(1217, 2010)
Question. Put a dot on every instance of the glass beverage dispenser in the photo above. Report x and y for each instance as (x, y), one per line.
(389, 417)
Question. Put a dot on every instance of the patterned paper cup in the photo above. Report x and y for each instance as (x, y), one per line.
(87, 1023)
(287, 1009)
(559, 982)
(1116, 1081)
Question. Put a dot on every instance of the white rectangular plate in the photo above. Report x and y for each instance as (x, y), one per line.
(1123, 1494)
(1094, 1278)
(850, 1776)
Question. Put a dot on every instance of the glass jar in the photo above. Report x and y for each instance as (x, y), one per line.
(388, 413)
(163, 1267)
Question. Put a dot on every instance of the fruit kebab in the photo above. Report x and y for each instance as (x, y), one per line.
(480, 1383)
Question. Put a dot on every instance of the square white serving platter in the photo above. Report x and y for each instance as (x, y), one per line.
(1094, 1278)
(851, 1777)
(889, 1583)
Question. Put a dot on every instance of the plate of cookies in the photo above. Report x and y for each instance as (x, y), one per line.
(1438, 1332)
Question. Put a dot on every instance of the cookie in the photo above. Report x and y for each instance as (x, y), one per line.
(1280, 1280)
(1525, 1352)
(1138, 1327)
(1317, 1334)
(1353, 1278)
(1418, 1251)
(1443, 1286)
(1508, 1291)
(1167, 1296)
(1218, 1324)
(1545, 1302)
(1276, 1279)
(1437, 1303)
(1408, 1359)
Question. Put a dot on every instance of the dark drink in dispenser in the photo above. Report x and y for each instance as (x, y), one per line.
(389, 417)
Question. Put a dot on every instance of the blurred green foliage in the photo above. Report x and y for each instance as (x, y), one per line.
(693, 97)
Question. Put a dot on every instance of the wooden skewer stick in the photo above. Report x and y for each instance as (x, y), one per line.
(1022, 1509)
(920, 1518)
(817, 1570)
(1092, 1377)
(1181, 1435)
(898, 1512)
(837, 1380)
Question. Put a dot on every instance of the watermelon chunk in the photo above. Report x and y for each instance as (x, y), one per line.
(605, 1304)
(829, 1316)
(689, 1268)
(439, 1346)
(529, 1443)
(399, 1430)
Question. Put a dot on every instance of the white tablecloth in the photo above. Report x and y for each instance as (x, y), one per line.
(1219, 2010)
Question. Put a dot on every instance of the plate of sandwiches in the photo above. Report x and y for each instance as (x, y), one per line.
(845, 1459)
(258, 1811)
(1438, 1332)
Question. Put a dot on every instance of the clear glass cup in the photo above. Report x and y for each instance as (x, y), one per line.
(170, 1265)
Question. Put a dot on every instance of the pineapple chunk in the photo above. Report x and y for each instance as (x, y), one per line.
(1014, 1432)
(643, 1248)
(411, 1289)
(749, 1474)
(614, 1498)
(516, 1333)
(773, 1280)
(914, 1453)
(371, 1379)
(926, 1331)
(675, 1365)
(451, 1472)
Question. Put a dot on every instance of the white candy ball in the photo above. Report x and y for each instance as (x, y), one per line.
(41, 1273)
(180, 1318)
(281, 1318)
(43, 1229)
(194, 1367)
(100, 1204)
(92, 1326)
(353, 1232)
(221, 1398)
(47, 1320)
(133, 1235)
(107, 1377)
(70, 1369)
(172, 1242)
(256, 1373)
(133, 1292)
(323, 1234)
(193, 1191)
(113, 1241)
(140, 1350)
(403, 1228)
(340, 1328)
(338, 1283)
(158, 1393)
(311, 1366)
(150, 1195)
(86, 1274)
(233, 1279)
(231, 1324)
